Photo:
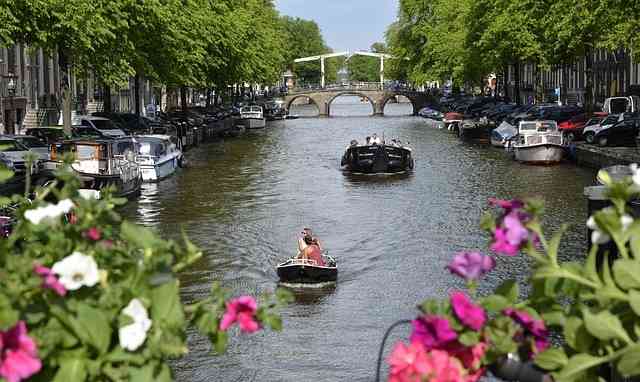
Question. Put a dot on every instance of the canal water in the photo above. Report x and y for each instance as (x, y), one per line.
(244, 200)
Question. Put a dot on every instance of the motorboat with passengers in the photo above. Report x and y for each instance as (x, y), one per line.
(375, 156)
(310, 266)
(102, 163)
(538, 142)
(298, 270)
(158, 156)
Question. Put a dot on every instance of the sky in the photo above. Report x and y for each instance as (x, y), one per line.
(345, 24)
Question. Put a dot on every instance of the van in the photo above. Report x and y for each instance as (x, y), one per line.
(618, 105)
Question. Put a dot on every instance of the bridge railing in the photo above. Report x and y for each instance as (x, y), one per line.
(353, 85)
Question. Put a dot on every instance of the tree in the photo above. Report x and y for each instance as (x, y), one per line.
(366, 69)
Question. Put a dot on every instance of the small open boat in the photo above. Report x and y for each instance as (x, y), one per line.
(377, 158)
(307, 271)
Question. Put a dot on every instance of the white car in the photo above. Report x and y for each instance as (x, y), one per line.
(13, 155)
(590, 131)
(102, 125)
(35, 145)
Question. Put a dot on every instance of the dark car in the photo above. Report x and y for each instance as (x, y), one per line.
(48, 135)
(129, 122)
(81, 131)
(623, 133)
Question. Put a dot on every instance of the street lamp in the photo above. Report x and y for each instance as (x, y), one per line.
(11, 89)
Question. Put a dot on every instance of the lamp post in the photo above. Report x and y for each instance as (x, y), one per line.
(11, 89)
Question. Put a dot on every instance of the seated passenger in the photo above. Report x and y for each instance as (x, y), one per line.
(309, 247)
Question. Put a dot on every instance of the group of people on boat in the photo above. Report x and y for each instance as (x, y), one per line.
(376, 140)
(310, 248)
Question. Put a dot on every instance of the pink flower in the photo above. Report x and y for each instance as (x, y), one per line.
(507, 205)
(471, 357)
(444, 368)
(470, 314)
(243, 310)
(18, 354)
(408, 363)
(501, 244)
(531, 326)
(433, 332)
(471, 265)
(93, 233)
(49, 279)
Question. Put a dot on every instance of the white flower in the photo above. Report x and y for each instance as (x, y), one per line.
(133, 335)
(77, 270)
(48, 212)
(636, 174)
(89, 194)
(597, 236)
(626, 222)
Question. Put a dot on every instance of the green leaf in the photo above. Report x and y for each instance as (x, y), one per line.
(166, 304)
(605, 326)
(469, 338)
(551, 359)
(5, 175)
(555, 318)
(220, 342)
(138, 235)
(494, 303)
(576, 334)
(8, 315)
(578, 365)
(275, 322)
(141, 374)
(627, 273)
(509, 290)
(554, 244)
(71, 370)
(95, 327)
(634, 301)
(629, 364)
(634, 241)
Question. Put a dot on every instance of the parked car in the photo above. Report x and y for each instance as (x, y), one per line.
(100, 124)
(129, 122)
(47, 134)
(33, 144)
(589, 132)
(87, 132)
(572, 128)
(13, 155)
(622, 133)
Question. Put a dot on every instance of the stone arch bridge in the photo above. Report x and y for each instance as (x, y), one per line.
(323, 98)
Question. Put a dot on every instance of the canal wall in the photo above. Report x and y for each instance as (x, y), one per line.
(597, 157)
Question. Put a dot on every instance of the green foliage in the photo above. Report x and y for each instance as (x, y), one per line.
(78, 335)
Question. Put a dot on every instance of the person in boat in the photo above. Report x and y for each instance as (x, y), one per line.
(310, 248)
(375, 140)
(368, 140)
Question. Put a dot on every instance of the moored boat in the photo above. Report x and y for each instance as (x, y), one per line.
(472, 129)
(501, 134)
(158, 157)
(102, 163)
(253, 117)
(374, 158)
(452, 121)
(307, 271)
(539, 142)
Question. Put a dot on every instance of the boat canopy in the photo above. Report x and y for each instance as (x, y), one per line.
(154, 146)
(538, 126)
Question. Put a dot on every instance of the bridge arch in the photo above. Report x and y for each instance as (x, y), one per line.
(356, 93)
(311, 99)
(389, 96)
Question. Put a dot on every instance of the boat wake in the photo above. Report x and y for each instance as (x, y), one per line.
(322, 285)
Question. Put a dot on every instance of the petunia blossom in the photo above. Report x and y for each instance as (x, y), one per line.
(77, 270)
(49, 212)
(471, 265)
(531, 326)
(434, 332)
(635, 174)
(470, 314)
(507, 205)
(598, 236)
(132, 336)
(18, 354)
(93, 234)
(408, 363)
(242, 310)
(49, 279)
(501, 243)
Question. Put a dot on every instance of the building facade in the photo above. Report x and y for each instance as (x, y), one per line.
(612, 74)
(35, 99)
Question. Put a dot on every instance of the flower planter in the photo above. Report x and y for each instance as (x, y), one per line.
(512, 369)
